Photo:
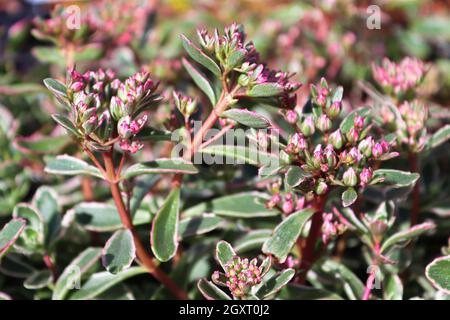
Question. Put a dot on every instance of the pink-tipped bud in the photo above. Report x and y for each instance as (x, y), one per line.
(352, 136)
(334, 110)
(358, 122)
(308, 127)
(377, 150)
(336, 139)
(324, 123)
(291, 116)
(350, 179)
(77, 86)
(365, 176)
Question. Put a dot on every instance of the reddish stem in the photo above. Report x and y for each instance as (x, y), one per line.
(86, 188)
(372, 274)
(415, 210)
(141, 252)
(49, 263)
(308, 255)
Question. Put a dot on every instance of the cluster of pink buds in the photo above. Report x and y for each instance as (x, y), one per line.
(240, 276)
(105, 110)
(331, 227)
(56, 28)
(287, 202)
(234, 54)
(399, 78)
(332, 158)
(185, 104)
(415, 115)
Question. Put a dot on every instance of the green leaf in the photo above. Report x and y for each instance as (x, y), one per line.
(201, 81)
(50, 55)
(141, 187)
(56, 87)
(151, 134)
(196, 54)
(119, 251)
(34, 219)
(72, 274)
(4, 296)
(286, 233)
(33, 237)
(164, 234)
(247, 118)
(406, 235)
(46, 201)
(68, 165)
(396, 178)
(197, 225)
(439, 137)
(101, 217)
(348, 121)
(275, 283)
(102, 281)
(252, 240)
(354, 220)
(438, 272)
(295, 175)
(38, 280)
(349, 197)
(66, 124)
(393, 288)
(268, 89)
(235, 59)
(353, 287)
(88, 53)
(9, 234)
(241, 205)
(172, 165)
(210, 291)
(299, 292)
(242, 155)
(337, 94)
(13, 265)
(43, 144)
(224, 253)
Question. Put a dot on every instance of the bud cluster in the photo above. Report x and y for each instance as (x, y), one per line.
(240, 276)
(56, 28)
(335, 158)
(331, 227)
(415, 115)
(185, 104)
(399, 78)
(104, 109)
(234, 54)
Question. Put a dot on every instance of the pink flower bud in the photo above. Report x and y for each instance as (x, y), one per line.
(377, 150)
(365, 176)
(336, 139)
(77, 86)
(349, 178)
(324, 123)
(352, 136)
(308, 127)
(291, 116)
(334, 110)
(358, 122)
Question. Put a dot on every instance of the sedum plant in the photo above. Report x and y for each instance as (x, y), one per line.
(136, 190)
